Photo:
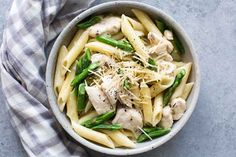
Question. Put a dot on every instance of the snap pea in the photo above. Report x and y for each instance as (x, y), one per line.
(99, 119)
(107, 127)
(169, 92)
(153, 134)
(80, 77)
(82, 97)
(93, 20)
(122, 44)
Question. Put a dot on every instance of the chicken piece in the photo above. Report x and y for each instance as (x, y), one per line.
(103, 59)
(166, 67)
(161, 44)
(167, 119)
(98, 99)
(108, 25)
(129, 118)
(110, 87)
(168, 34)
(125, 98)
(178, 106)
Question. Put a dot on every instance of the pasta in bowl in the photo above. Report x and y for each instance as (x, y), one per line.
(122, 80)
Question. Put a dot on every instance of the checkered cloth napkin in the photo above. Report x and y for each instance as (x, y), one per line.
(30, 27)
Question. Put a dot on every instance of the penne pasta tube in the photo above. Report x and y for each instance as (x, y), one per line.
(71, 108)
(75, 39)
(66, 89)
(94, 136)
(187, 89)
(135, 41)
(146, 102)
(106, 49)
(179, 90)
(147, 22)
(74, 52)
(59, 78)
(88, 106)
(137, 25)
(136, 91)
(159, 87)
(119, 138)
(87, 116)
(157, 109)
(178, 64)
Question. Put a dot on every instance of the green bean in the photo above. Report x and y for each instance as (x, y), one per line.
(93, 20)
(122, 44)
(169, 92)
(161, 25)
(152, 62)
(84, 61)
(153, 134)
(99, 119)
(178, 48)
(82, 97)
(80, 77)
(127, 84)
(107, 127)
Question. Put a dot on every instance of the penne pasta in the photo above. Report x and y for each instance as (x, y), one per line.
(59, 78)
(88, 106)
(71, 108)
(146, 102)
(87, 116)
(66, 89)
(147, 22)
(137, 25)
(135, 41)
(75, 39)
(106, 49)
(94, 136)
(157, 109)
(187, 89)
(159, 87)
(74, 52)
(179, 90)
(119, 138)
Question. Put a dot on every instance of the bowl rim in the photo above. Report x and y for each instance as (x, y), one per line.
(50, 91)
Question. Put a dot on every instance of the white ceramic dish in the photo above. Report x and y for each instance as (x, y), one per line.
(119, 8)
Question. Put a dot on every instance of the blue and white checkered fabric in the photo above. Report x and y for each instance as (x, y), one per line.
(30, 26)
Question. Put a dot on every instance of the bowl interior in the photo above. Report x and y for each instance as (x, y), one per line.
(123, 8)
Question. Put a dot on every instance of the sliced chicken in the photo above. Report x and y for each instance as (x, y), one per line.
(98, 99)
(103, 59)
(178, 106)
(167, 119)
(108, 25)
(125, 98)
(129, 118)
(110, 87)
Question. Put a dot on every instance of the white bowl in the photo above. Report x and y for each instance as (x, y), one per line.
(119, 8)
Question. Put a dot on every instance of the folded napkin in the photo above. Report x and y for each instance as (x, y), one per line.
(30, 27)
